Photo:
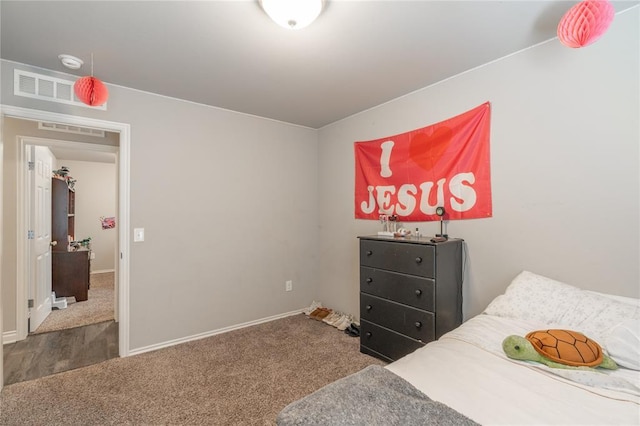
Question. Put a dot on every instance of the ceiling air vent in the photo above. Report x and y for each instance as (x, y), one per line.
(57, 127)
(44, 87)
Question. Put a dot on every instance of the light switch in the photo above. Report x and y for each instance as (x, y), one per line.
(138, 234)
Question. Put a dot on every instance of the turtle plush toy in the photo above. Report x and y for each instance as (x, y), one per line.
(558, 349)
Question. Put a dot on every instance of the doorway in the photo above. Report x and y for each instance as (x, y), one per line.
(82, 250)
(122, 316)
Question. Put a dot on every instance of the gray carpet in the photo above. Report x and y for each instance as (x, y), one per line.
(97, 308)
(244, 377)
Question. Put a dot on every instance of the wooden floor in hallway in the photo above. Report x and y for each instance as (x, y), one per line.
(44, 354)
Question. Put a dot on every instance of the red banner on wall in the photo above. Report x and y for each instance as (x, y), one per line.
(411, 174)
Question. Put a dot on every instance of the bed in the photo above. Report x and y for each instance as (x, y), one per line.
(465, 377)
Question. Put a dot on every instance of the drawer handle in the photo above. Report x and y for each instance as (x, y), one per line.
(418, 292)
(369, 280)
(369, 252)
(369, 334)
(418, 324)
(369, 307)
(418, 260)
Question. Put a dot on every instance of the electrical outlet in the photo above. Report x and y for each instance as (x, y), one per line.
(93, 255)
(288, 285)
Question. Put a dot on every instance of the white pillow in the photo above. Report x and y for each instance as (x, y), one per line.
(622, 343)
(622, 299)
(532, 297)
(541, 299)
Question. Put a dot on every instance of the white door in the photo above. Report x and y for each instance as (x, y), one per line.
(40, 224)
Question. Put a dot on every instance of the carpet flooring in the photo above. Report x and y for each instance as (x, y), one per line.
(243, 377)
(99, 307)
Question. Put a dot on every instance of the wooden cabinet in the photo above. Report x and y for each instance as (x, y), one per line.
(410, 293)
(69, 268)
(70, 273)
(62, 214)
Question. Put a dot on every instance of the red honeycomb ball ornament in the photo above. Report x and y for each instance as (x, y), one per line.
(91, 91)
(585, 23)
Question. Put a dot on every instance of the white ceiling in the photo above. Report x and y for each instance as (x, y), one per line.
(76, 154)
(357, 55)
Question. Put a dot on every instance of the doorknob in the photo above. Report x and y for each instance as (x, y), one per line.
(53, 243)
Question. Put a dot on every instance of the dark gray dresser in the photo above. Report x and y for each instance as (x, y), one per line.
(410, 293)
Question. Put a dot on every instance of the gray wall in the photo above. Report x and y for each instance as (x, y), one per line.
(229, 206)
(564, 159)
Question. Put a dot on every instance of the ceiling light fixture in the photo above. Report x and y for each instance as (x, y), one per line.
(70, 62)
(293, 14)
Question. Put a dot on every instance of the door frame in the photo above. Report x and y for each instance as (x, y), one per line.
(24, 261)
(123, 171)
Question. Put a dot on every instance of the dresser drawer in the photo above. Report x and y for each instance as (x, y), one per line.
(386, 342)
(415, 323)
(413, 259)
(408, 289)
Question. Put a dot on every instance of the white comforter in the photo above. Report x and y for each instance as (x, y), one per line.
(467, 370)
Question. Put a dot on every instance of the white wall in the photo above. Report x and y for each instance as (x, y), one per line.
(565, 170)
(95, 189)
(229, 206)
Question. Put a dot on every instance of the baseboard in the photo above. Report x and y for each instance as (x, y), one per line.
(9, 337)
(102, 271)
(210, 333)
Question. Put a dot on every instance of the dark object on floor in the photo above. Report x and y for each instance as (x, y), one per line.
(373, 396)
(353, 330)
